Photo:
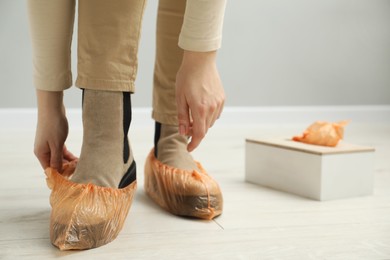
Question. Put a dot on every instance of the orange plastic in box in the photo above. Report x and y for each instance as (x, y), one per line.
(323, 133)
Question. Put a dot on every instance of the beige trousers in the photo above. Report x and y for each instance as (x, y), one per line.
(108, 37)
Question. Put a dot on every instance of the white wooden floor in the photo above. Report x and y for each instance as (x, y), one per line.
(257, 223)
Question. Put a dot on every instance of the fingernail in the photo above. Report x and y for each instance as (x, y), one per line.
(182, 130)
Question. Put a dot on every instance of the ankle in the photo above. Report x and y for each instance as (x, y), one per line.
(170, 147)
(106, 154)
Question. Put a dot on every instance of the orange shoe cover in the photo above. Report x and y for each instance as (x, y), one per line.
(84, 215)
(323, 133)
(182, 192)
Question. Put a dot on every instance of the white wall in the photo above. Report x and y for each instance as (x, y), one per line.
(275, 53)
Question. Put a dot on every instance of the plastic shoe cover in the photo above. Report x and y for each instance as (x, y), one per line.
(323, 133)
(84, 215)
(182, 192)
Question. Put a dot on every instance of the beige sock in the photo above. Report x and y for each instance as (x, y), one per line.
(172, 148)
(102, 159)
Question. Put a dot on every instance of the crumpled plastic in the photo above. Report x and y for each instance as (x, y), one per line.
(182, 192)
(323, 133)
(85, 216)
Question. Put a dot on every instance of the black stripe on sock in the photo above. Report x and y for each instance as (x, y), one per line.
(157, 133)
(82, 98)
(126, 125)
(129, 177)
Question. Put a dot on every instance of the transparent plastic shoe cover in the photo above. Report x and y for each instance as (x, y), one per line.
(85, 216)
(323, 133)
(181, 192)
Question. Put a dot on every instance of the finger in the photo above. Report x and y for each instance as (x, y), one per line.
(221, 108)
(183, 116)
(56, 158)
(210, 116)
(68, 155)
(43, 157)
(198, 131)
(216, 113)
(44, 160)
(190, 132)
(214, 118)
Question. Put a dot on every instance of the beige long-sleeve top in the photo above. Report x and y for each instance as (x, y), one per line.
(202, 26)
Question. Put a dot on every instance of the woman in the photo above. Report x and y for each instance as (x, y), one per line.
(90, 206)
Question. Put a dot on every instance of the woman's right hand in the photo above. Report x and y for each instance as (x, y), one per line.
(52, 131)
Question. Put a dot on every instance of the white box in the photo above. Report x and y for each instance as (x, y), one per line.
(316, 172)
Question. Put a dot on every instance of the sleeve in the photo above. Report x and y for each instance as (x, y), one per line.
(202, 25)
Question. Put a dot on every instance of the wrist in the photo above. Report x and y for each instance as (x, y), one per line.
(194, 57)
(50, 102)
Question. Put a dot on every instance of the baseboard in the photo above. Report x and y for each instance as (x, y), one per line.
(305, 114)
(232, 116)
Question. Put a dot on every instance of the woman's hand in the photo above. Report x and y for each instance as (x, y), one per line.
(199, 94)
(52, 131)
